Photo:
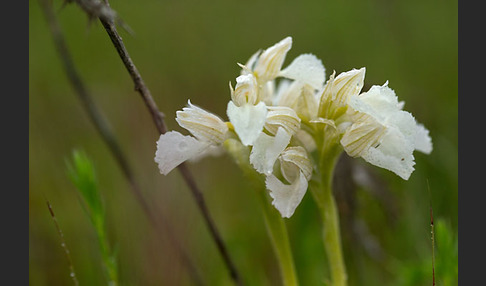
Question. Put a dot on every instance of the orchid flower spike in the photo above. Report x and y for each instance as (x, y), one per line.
(280, 124)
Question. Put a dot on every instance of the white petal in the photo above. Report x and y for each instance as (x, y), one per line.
(173, 148)
(286, 198)
(246, 90)
(379, 101)
(423, 142)
(294, 160)
(212, 150)
(288, 93)
(394, 153)
(250, 63)
(271, 60)
(282, 116)
(306, 139)
(347, 84)
(248, 120)
(362, 135)
(204, 125)
(266, 150)
(281, 89)
(306, 68)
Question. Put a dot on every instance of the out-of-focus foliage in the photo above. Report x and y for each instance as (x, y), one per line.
(189, 49)
(83, 175)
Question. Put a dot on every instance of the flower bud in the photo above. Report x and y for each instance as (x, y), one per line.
(246, 90)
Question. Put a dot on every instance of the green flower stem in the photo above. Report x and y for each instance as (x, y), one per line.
(280, 241)
(273, 220)
(323, 195)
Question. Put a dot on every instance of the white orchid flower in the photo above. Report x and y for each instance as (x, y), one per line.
(247, 116)
(279, 123)
(383, 134)
(174, 148)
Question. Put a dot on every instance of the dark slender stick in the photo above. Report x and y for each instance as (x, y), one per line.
(72, 274)
(158, 118)
(107, 135)
(432, 233)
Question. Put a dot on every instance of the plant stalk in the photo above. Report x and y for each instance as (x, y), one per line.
(274, 222)
(324, 197)
(280, 241)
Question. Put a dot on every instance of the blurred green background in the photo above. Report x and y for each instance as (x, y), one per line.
(189, 50)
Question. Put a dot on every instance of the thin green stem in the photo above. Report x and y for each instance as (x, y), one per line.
(280, 241)
(323, 195)
(109, 258)
(274, 222)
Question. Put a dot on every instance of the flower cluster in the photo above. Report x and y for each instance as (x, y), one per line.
(285, 116)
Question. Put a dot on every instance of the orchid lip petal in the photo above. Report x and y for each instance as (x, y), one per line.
(286, 198)
(173, 148)
(248, 120)
(266, 150)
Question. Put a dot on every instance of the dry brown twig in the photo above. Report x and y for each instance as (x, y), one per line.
(109, 138)
(103, 11)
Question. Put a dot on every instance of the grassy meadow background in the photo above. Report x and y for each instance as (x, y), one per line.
(189, 50)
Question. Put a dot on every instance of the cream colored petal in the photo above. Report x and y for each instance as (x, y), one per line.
(362, 135)
(204, 125)
(248, 120)
(380, 101)
(286, 198)
(271, 60)
(282, 116)
(281, 88)
(326, 98)
(394, 153)
(267, 92)
(266, 150)
(325, 121)
(306, 140)
(246, 90)
(308, 69)
(173, 148)
(294, 160)
(211, 151)
(250, 63)
(306, 104)
(347, 84)
(288, 93)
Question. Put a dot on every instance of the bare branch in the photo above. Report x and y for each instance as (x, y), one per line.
(107, 135)
(158, 118)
